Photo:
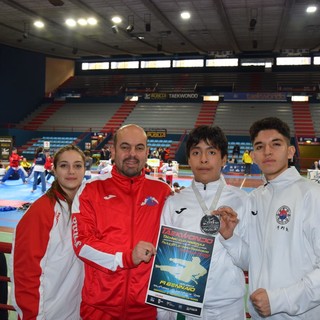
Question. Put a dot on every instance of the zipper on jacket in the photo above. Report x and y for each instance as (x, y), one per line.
(132, 212)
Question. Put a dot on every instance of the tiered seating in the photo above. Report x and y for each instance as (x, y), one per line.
(55, 143)
(176, 117)
(156, 143)
(243, 146)
(236, 118)
(315, 114)
(80, 117)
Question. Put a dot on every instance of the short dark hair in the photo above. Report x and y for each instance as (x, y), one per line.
(212, 135)
(270, 123)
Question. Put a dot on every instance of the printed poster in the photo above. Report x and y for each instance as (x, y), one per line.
(180, 270)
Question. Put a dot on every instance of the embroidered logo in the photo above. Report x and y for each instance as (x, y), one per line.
(283, 215)
(254, 213)
(181, 210)
(110, 196)
(149, 201)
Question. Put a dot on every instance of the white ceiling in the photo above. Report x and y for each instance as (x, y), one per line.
(215, 25)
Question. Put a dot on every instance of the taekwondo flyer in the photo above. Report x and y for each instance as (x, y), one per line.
(180, 270)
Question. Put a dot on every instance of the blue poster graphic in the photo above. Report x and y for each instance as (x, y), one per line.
(180, 270)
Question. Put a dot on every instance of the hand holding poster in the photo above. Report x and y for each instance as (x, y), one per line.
(180, 270)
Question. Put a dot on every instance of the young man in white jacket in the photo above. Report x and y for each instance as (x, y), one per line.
(283, 231)
(207, 149)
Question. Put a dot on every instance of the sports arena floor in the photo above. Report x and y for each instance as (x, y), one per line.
(14, 194)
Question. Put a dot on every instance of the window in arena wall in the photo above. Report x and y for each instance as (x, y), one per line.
(316, 60)
(293, 61)
(125, 65)
(155, 64)
(95, 66)
(233, 62)
(187, 63)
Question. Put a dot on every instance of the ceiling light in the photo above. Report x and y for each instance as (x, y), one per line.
(185, 15)
(115, 29)
(92, 21)
(39, 24)
(311, 9)
(130, 28)
(82, 22)
(116, 20)
(71, 23)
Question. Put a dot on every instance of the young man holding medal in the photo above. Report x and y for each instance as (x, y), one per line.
(191, 209)
(282, 232)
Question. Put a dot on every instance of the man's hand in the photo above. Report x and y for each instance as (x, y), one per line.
(260, 301)
(143, 251)
(228, 221)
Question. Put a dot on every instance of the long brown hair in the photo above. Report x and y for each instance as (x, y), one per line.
(55, 184)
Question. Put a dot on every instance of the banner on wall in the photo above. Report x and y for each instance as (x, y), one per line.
(5, 148)
(255, 96)
(165, 96)
(156, 133)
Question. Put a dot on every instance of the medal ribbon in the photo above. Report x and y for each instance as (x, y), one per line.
(201, 201)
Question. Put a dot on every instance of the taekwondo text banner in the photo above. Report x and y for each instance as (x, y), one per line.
(180, 270)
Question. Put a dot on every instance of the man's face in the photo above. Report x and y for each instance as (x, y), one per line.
(131, 152)
(205, 162)
(271, 153)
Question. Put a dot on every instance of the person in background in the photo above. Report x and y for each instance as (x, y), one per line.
(14, 166)
(315, 165)
(88, 164)
(169, 170)
(25, 165)
(46, 275)
(39, 170)
(48, 166)
(207, 150)
(247, 160)
(282, 231)
(115, 220)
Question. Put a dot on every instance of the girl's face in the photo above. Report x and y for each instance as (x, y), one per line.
(69, 171)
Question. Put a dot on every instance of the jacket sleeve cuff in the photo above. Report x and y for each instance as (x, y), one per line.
(127, 260)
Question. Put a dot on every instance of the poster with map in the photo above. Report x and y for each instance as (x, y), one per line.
(180, 270)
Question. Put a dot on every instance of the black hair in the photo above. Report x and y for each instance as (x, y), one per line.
(211, 135)
(270, 123)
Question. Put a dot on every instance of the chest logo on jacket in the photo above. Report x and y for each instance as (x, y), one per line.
(180, 211)
(149, 201)
(283, 215)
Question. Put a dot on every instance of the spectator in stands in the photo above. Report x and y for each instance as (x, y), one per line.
(88, 164)
(115, 225)
(315, 165)
(247, 160)
(236, 151)
(207, 150)
(283, 231)
(47, 276)
(14, 166)
(39, 170)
